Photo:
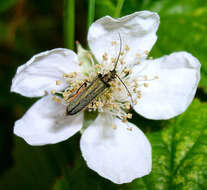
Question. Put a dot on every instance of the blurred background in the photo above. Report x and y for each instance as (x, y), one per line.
(28, 27)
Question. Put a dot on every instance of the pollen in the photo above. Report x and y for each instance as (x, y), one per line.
(113, 60)
(129, 128)
(146, 85)
(114, 126)
(70, 75)
(138, 55)
(145, 77)
(120, 92)
(56, 99)
(121, 61)
(58, 82)
(105, 57)
(127, 105)
(53, 91)
(135, 102)
(127, 47)
(113, 43)
(139, 96)
(129, 115)
(146, 52)
(124, 120)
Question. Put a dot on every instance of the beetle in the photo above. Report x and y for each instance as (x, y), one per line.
(87, 93)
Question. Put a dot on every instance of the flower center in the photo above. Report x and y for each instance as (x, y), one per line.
(120, 92)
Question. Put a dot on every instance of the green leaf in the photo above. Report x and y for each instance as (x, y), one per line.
(81, 177)
(183, 27)
(103, 8)
(6, 4)
(38, 167)
(179, 149)
(179, 153)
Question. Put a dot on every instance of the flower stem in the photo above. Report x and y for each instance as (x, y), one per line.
(69, 23)
(118, 8)
(91, 12)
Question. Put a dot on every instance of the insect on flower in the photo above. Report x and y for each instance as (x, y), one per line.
(87, 93)
(113, 74)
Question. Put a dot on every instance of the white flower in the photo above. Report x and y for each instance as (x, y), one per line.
(161, 89)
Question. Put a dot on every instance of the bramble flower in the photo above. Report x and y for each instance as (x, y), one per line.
(112, 146)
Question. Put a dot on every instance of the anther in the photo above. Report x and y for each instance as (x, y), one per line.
(129, 115)
(138, 55)
(113, 60)
(145, 77)
(135, 101)
(127, 47)
(56, 99)
(53, 91)
(113, 43)
(58, 82)
(127, 105)
(146, 52)
(139, 96)
(114, 126)
(105, 57)
(146, 85)
(129, 128)
(121, 61)
(124, 120)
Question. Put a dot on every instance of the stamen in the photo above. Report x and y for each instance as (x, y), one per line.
(127, 105)
(146, 52)
(58, 82)
(121, 61)
(127, 47)
(129, 128)
(113, 60)
(129, 115)
(124, 120)
(113, 43)
(53, 91)
(114, 126)
(121, 53)
(146, 85)
(105, 57)
(138, 55)
(56, 99)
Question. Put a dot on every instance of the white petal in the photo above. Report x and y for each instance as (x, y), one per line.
(171, 94)
(138, 30)
(119, 155)
(42, 71)
(45, 123)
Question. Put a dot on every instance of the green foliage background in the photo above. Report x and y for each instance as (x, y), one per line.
(179, 145)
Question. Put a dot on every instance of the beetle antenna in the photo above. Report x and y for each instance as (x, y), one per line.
(126, 89)
(119, 51)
